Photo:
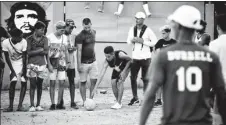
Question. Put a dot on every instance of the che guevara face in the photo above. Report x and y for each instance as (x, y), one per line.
(25, 19)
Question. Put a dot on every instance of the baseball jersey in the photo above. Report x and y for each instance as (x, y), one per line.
(187, 79)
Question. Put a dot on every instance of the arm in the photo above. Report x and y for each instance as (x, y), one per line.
(130, 36)
(46, 48)
(24, 58)
(125, 57)
(156, 74)
(7, 58)
(35, 52)
(9, 62)
(218, 85)
(152, 38)
(78, 42)
(102, 72)
(79, 56)
(50, 67)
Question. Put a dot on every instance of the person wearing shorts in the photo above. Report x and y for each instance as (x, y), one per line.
(15, 50)
(58, 60)
(70, 25)
(86, 59)
(120, 62)
(37, 50)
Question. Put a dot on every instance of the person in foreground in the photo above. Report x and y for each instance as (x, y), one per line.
(185, 72)
(120, 62)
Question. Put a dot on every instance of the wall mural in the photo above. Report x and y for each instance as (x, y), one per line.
(24, 15)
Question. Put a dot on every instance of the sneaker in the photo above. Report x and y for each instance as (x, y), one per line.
(73, 105)
(52, 107)
(8, 109)
(39, 108)
(21, 109)
(59, 106)
(113, 107)
(32, 109)
(157, 103)
(133, 101)
(117, 106)
(149, 14)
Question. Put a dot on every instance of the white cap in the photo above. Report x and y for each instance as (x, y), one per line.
(140, 15)
(187, 16)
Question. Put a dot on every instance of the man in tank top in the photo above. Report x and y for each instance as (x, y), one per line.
(120, 62)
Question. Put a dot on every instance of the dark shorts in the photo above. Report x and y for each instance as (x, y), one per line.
(70, 73)
(115, 75)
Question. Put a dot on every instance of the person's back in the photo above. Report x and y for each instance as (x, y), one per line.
(187, 84)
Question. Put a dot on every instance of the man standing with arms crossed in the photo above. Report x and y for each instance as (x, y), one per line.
(86, 59)
(142, 39)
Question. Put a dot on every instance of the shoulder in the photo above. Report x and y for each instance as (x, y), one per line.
(29, 38)
(213, 43)
(50, 35)
(5, 42)
(94, 31)
(24, 41)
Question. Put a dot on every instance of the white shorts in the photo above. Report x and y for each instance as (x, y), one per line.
(18, 70)
(57, 75)
(88, 69)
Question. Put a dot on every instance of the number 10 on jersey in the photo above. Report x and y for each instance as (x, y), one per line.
(185, 79)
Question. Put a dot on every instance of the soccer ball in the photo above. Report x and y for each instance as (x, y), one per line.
(90, 105)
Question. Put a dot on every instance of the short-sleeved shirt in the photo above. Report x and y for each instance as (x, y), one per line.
(87, 39)
(57, 48)
(15, 50)
(71, 43)
(33, 44)
(188, 77)
(163, 43)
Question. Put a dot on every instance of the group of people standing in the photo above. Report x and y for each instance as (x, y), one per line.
(38, 56)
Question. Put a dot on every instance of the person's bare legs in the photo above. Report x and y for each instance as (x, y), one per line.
(11, 96)
(52, 91)
(114, 88)
(101, 7)
(120, 88)
(93, 83)
(32, 90)
(22, 94)
(39, 90)
(60, 91)
(82, 89)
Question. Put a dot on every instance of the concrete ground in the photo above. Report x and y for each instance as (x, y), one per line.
(102, 115)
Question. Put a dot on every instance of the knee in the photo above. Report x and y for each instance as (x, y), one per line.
(132, 78)
(32, 86)
(52, 84)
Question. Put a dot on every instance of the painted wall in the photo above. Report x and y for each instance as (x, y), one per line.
(109, 27)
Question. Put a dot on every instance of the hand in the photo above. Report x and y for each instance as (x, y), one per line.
(122, 76)
(67, 65)
(13, 74)
(93, 93)
(134, 40)
(117, 14)
(50, 67)
(79, 68)
(140, 40)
